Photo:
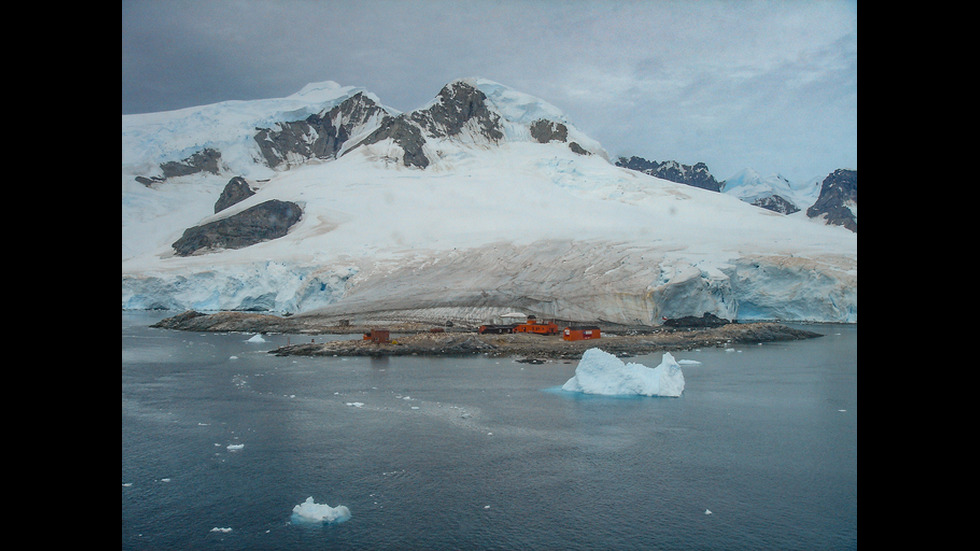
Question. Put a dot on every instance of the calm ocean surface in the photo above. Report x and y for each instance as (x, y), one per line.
(220, 440)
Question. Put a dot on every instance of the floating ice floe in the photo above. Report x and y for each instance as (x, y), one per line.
(256, 338)
(600, 372)
(235, 447)
(310, 511)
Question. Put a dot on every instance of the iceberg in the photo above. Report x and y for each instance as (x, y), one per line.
(312, 512)
(600, 372)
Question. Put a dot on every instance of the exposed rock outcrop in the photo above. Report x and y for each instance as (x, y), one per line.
(776, 203)
(545, 131)
(236, 190)
(838, 195)
(696, 175)
(205, 160)
(262, 222)
(319, 136)
(460, 109)
(406, 135)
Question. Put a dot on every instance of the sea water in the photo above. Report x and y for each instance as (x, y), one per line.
(222, 440)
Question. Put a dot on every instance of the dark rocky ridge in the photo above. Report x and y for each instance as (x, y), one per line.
(205, 160)
(776, 203)
(262, 222)
(459, 104)
(696, 175)
(837, 189)
(318, 136)
(407, 135)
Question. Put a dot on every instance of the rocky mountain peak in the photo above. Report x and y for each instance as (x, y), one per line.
(462, 113)
(459, 105)
(319, 136)
(838, 199)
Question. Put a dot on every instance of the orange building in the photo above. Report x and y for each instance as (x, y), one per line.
(581, 332)
(532, 325)
(379, 336)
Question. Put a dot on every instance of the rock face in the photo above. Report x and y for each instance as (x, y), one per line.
(319, 136)
(262, 222)
(545, 131)
(236, 190)
(776, 203)
(838, 194)
(460, 109)
(205, 160)
(696, 175)
(407, 135)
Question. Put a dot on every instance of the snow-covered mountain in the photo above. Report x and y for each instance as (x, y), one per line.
(751, 187)
(483, 201)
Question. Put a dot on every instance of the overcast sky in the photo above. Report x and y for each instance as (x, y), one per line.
(768, 85)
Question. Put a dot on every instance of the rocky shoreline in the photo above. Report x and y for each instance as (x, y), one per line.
(409, 338)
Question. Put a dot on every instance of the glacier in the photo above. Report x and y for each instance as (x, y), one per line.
(599, 372)
(489, 226)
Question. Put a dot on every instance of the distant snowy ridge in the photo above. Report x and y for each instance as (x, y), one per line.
(751, 187)
(512, 207)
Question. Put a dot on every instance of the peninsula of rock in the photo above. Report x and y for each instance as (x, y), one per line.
(412, 338)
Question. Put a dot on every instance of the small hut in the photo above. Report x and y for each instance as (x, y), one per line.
(378, 336)
(581, 332)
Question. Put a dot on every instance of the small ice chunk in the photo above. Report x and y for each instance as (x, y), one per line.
(355, 404)
(309, 511)
(225, 530)
(256, 338)
(235, 447)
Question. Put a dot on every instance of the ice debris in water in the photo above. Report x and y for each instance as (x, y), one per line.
(256, 338)
(309, 511)
(600, 372)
